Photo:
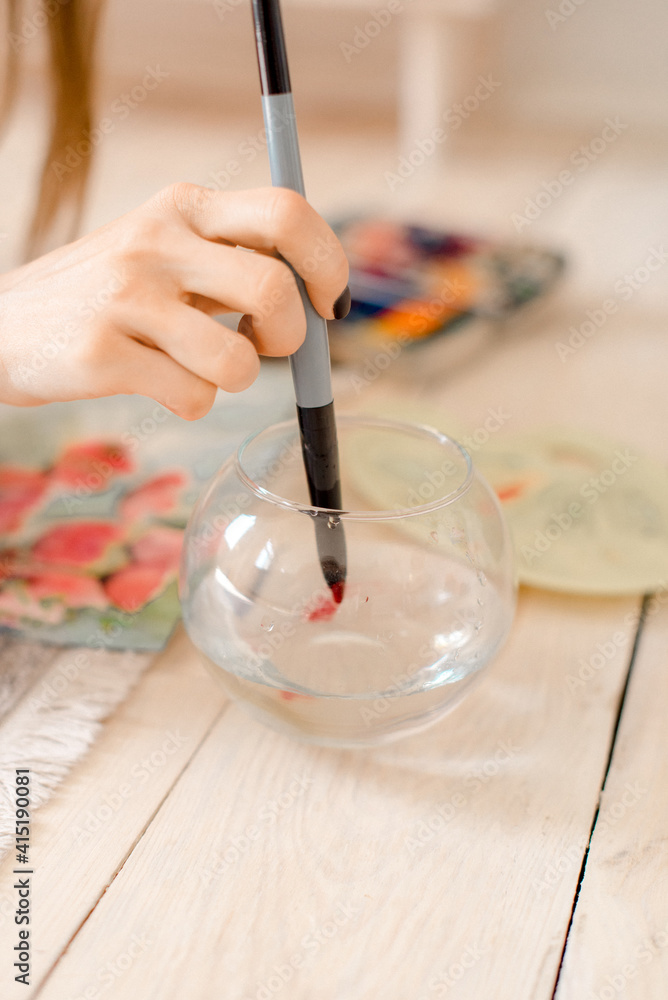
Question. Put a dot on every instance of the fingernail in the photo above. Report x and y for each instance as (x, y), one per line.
(342, 304)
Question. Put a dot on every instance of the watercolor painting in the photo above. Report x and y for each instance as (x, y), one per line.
(91, 523)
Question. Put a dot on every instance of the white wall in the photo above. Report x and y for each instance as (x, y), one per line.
(605, 57)
(209, 51)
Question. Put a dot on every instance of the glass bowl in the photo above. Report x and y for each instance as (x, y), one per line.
(429, 596)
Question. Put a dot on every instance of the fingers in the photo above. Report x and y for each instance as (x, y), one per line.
(127, 309)
(271, 220)
(205, 348)
(131, 367)
(255, 284)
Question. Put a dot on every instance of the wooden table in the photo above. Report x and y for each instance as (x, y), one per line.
(515, 850)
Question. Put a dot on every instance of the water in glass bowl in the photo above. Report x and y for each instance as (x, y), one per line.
(409, 637)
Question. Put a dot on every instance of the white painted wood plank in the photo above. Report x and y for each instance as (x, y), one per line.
(80, 838)
(618, 946)
(275, 868)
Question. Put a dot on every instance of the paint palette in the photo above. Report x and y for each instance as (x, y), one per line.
(411, 282)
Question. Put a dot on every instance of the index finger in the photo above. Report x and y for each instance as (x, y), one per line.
(272, 220)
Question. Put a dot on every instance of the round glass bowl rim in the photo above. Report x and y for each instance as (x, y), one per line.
(358, 515)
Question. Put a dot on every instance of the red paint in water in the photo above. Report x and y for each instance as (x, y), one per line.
(337, 591)
(323, 611)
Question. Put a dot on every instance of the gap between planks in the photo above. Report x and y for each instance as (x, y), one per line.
(613, 742)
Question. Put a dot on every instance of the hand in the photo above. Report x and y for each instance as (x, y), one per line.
(128, 308)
